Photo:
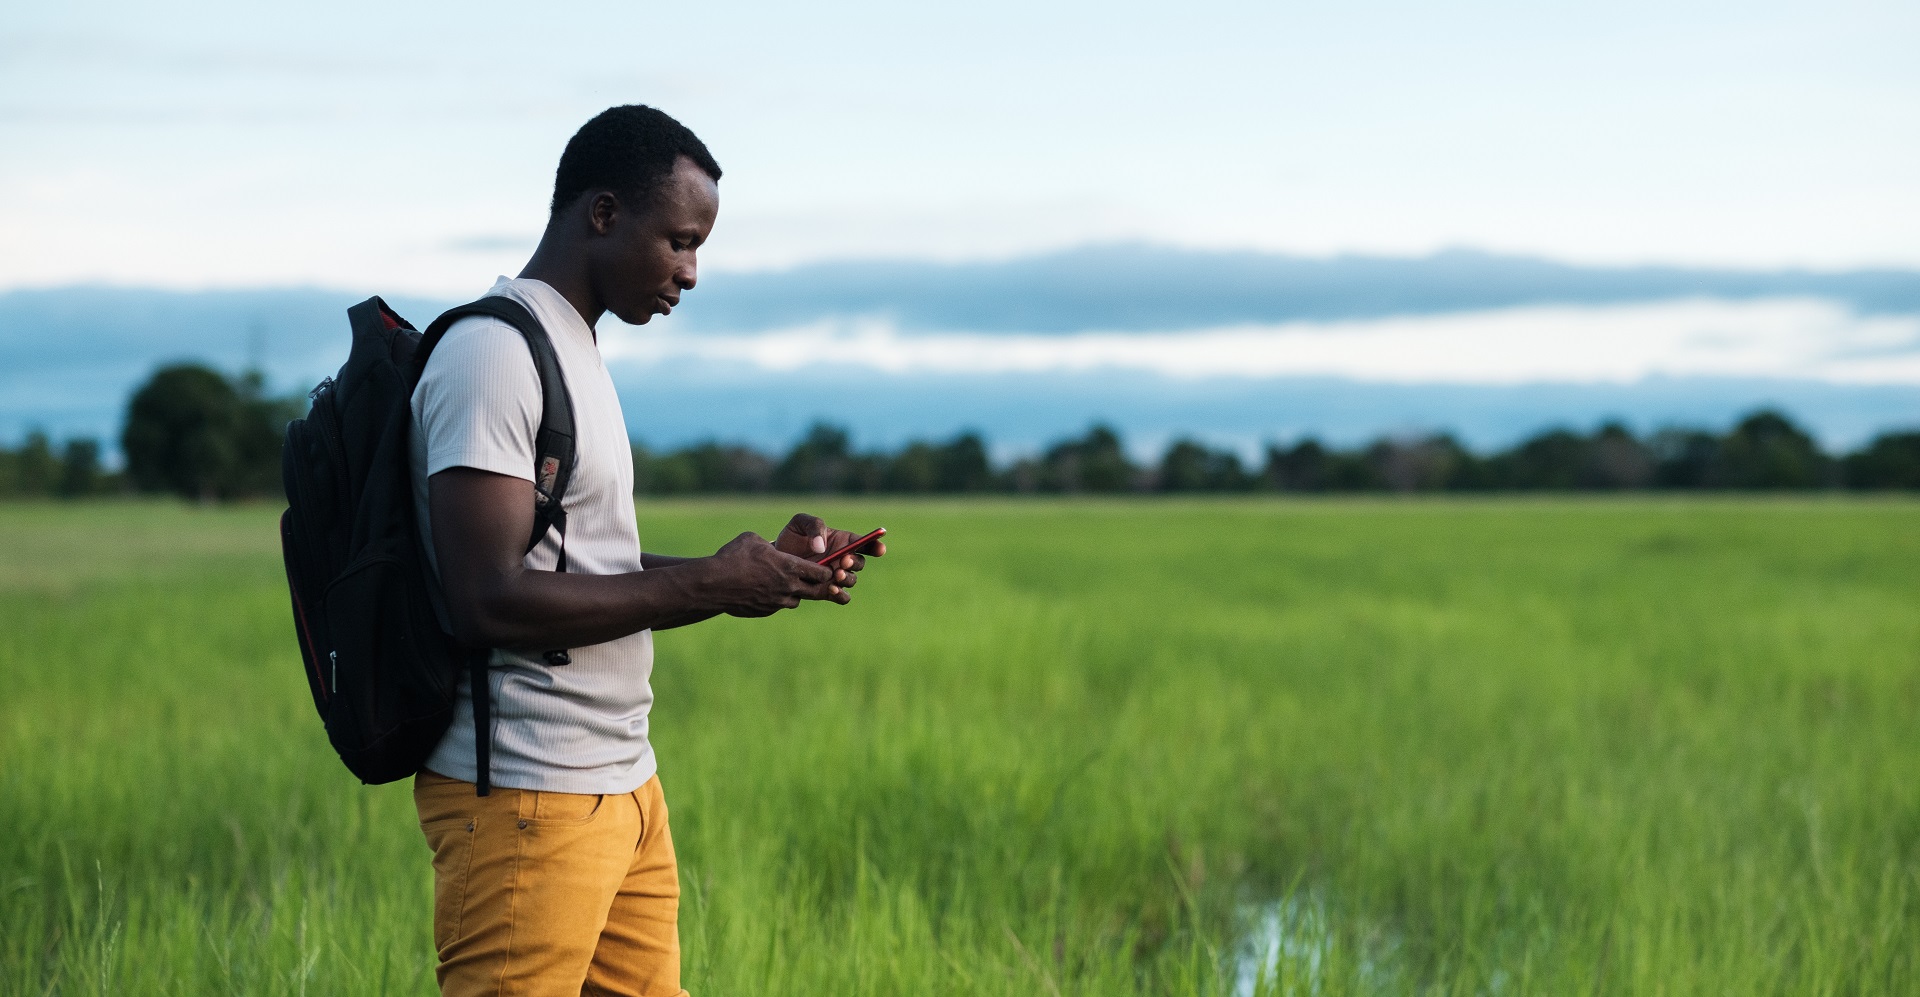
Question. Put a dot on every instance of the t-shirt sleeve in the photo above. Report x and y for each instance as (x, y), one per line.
(478, 402)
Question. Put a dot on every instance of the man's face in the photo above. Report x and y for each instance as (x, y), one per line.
(645, 258)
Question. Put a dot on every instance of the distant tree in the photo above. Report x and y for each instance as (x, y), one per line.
(1554, 460)
(704, 468)
(1420, 465)
(1024, 476)
(1184, 467)
(663, 474)
(1189, 466)
(866, 472)
(1683, 458)
(961, 465)
(730, 468)
(1892, 460)
(1311, 466)
(180, 433)
(1766, 450)
(915, 469)
(80, 473)
(1617, 459)
(821, 462)
(193, 432)
(1563, 460)
(35, 471)
(258, 431)
(1301, 468)
(1095, 462)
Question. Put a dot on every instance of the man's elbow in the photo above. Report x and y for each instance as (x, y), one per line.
(478, 622)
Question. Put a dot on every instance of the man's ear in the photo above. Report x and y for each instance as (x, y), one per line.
(602, 210)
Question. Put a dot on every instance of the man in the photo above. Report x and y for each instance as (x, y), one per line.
(562, 880)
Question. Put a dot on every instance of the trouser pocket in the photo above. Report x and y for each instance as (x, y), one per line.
(452, 843)
(449, 821)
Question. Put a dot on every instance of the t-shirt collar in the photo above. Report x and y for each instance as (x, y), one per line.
(552, 307)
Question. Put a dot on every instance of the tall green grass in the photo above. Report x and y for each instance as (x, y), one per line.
(1566, 747)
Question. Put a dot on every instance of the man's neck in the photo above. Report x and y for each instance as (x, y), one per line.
(566, 272)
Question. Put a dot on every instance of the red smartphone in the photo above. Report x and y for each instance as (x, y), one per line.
(850, 548)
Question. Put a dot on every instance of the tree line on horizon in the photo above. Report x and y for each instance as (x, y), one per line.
(1763, 451)
(199, 434)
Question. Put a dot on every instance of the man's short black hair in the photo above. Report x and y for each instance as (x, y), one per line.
(629, 150)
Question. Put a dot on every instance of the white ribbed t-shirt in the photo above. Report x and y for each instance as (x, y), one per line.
(580, 727)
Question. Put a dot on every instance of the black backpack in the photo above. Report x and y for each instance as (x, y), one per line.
(382, 670)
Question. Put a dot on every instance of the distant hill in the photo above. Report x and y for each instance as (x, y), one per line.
(70, 356)
(67, 332)
(1129, 288)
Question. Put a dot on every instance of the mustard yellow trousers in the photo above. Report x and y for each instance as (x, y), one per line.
(538, 894)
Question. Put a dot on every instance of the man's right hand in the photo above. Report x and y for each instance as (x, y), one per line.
(750, 577)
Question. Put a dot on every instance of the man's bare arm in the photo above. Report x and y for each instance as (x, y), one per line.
(654, 562)
(480, 524)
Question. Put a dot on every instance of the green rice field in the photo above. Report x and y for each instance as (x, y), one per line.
(1246, 747)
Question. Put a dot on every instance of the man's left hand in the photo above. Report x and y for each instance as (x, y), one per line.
(810, 537)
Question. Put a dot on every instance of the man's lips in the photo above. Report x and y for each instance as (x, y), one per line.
(666, 303)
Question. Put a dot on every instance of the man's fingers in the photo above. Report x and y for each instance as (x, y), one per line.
(806, 572)
(828, 592)
(812, 527)
(858, 562)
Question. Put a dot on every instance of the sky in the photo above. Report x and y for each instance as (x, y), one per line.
(409, 148)
(220, 148)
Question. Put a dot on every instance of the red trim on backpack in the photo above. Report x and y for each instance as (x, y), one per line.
(300, 616)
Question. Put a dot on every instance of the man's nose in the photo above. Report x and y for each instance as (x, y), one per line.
(687, 276)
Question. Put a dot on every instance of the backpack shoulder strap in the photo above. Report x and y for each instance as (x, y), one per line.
(553, 460)
(554, 444)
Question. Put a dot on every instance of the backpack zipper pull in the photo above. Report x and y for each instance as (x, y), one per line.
(333, 682)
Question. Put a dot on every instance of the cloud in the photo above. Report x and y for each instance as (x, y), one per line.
(1798, 338)
(491, 242)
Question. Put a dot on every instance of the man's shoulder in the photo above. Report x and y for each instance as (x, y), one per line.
(480, 354)
(492, 329)
(483, 326)
(480, 334)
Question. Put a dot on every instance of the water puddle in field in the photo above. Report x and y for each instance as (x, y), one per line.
(1290, 947)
